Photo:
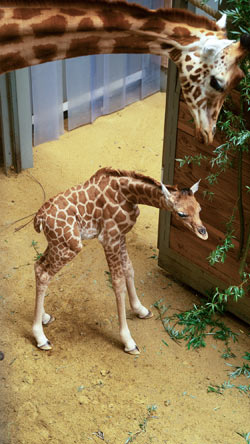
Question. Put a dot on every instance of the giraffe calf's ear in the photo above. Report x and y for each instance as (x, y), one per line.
(222, 22)
(165, 191)
(195, 187)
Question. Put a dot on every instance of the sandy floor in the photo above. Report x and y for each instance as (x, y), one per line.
(87, 389)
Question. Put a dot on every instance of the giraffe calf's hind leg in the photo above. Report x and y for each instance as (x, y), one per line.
(42, 281)
(47, 319)
(147, 316)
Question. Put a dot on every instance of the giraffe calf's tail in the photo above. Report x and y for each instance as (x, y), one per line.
(38, 222)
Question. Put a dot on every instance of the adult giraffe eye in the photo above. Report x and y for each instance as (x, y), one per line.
(182, 214)
(214, 83)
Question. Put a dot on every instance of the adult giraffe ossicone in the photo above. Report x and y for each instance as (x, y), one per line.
(33, 32)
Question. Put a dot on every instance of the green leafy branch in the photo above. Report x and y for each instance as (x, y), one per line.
(246, 436)
(143, 424)
(34, 244)
(220, 252)
(197, 159)
(243, 370)
(199, 322)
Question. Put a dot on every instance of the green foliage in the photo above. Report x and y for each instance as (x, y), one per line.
(191, 159)
(238, 13)
(143, 424)
(219, 389)
(208, 195)
(109, 279)
(246, 436)
(199, 322)
(220, 252)
(243, 370)
(247, 356)
(228, 354)
(38, 255)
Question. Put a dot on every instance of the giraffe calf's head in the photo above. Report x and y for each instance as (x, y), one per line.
(185, 208)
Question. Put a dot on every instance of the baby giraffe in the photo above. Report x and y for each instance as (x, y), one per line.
(106, 207)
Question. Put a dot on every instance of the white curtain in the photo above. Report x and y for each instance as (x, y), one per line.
(90, 86)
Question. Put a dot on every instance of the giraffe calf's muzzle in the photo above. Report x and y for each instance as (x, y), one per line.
(202, 233)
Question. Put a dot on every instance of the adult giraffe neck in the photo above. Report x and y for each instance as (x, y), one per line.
(52, 30)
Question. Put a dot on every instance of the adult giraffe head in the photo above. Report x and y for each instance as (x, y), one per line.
(208, 67)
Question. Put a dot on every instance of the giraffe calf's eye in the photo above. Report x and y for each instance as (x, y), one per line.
(182, 214)
(214, 83)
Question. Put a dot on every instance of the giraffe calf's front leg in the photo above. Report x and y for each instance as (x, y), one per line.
(130, 346)
(135, 303)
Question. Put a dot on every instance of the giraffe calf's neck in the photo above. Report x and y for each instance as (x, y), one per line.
(106, 207)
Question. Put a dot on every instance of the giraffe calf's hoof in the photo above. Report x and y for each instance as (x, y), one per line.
(51, 319)
(46, 346)
(148, 315)
(134, 351)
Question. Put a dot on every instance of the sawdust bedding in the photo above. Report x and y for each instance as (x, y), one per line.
(86, 389)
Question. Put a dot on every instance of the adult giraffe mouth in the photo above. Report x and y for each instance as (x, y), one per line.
(205, 137)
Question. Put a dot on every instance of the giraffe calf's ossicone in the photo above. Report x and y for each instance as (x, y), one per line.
(105, 207)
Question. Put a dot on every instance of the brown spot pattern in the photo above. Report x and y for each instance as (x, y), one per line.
(114, 20)
(72, 12)
(25, 13)
(154, 24)
(197, 92)
(175, 54)
(10, 34)
(53, 25)
(85, 25)
(12, 61)
(200, 102)
(195, 78)
(45, 52)
(181, 31)
(83, 46)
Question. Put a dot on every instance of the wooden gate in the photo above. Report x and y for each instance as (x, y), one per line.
(180, 252)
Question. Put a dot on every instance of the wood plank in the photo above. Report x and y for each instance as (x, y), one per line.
(196, 250)
(180, 252)
(200, 280)
(220, 208)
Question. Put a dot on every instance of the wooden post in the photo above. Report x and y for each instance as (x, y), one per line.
(169, 143)
(16, 120)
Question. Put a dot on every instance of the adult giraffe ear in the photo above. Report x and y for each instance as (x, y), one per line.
(213, 46)
(240, 49)
(222, 22)
(245, 41)
(244, 46)
(195, 187)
